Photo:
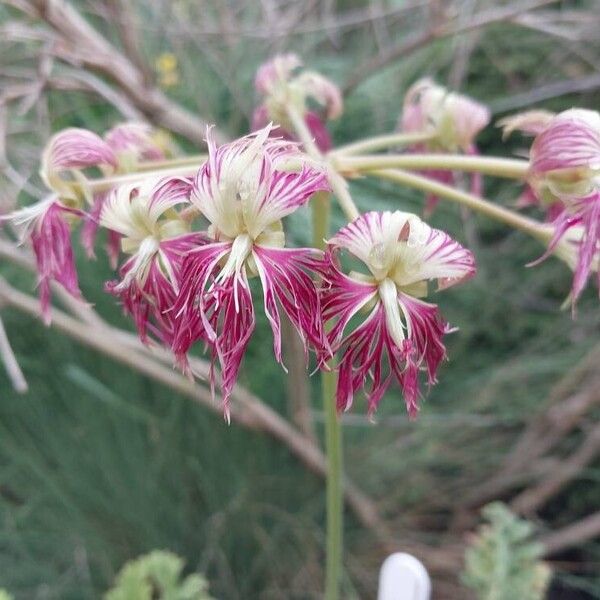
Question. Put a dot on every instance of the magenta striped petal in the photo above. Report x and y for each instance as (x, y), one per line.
(77, 149)
(286, 281)
(531, 122)
(323, 91)
(427, 253)
(456, 119)
(149, 300)
(446, 260)
(245, 174)
(275, 71)
(571, 140)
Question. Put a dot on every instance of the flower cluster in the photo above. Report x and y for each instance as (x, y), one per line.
(564, 178)
(198, 250)
(279, 87)
(67, 158)
(454, 122)
(183, 285)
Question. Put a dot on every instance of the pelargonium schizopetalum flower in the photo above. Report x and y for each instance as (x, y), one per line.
(564, 175)
(48, 223)
(454, 120)
(401, 334)
(157, 239)
(244, 190)
(278, 85)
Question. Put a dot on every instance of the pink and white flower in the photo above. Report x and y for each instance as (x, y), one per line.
(244, 190)
(401, 333)
(132, 144)
(278, 85)
(454, 121)
(157, 240)
(47, 225)
(564, 176)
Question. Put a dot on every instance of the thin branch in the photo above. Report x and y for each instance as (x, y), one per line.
(123, 16)
(76, 80)
(566, 407)
(572, 535)
(532, 498)
(81, 44)
(11, 365)
(545, 92)
(421, 39)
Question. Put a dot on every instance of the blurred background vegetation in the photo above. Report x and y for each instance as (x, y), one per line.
(99, 465)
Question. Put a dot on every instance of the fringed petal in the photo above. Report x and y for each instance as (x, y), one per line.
(402, 335)
(51, 241)
(371, 358)
(286, 281)
(576, 240)
(219, 313)
(149, 299)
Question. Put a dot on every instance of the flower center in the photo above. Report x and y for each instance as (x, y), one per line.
(241, 249)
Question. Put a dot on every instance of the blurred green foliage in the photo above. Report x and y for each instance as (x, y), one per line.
(502, 562)
(157, 576)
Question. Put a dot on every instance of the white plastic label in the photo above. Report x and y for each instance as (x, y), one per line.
(403, 577)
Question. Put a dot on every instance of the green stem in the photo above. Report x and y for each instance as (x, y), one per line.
(107, 183)
(335, 507)
(381, 142)
(321, 209)
(499, 167)
(494, 211)
(180, 161)
(320, 218)
(337, 182)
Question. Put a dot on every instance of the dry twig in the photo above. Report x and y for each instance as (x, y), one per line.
(80, 44)
(444, 30)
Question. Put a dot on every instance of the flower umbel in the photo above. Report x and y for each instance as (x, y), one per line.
(244, 190)
(401, 333)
